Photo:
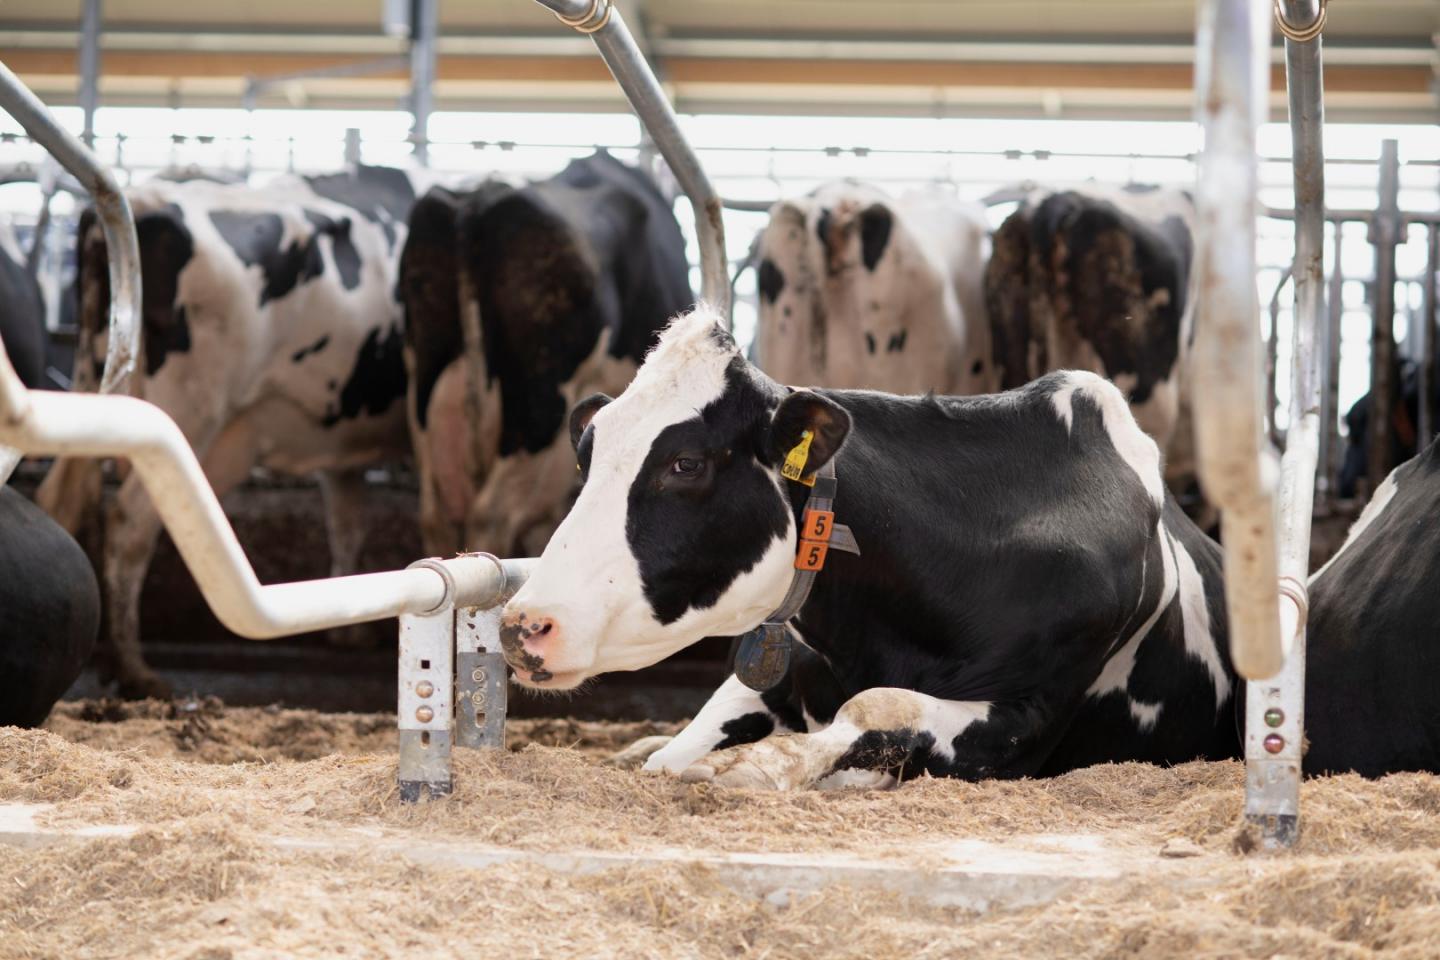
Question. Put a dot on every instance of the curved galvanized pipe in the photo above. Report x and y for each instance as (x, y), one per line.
(602, 20)
(111, 207)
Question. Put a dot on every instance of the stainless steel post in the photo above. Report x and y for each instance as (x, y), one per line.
(1236, 463)
(603, 22)
(1426, 328)
(426, 712)
(1330, 392)
(90, 68)
(1275, 707)
(1384, 236)
(424, 23)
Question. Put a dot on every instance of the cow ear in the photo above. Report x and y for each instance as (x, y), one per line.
(583, 413)
(875, 223)
(827, 422)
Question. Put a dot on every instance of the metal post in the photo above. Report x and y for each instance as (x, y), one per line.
(423, 26)
(481, 677)
(426, 703)
(1236, 463)
(1384, 236)
(1329, 455)
(352, 147)
(603, 22)
(1426, 328)
(1275, 707)
(90, 68)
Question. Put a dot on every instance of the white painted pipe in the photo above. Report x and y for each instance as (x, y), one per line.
(86, 425)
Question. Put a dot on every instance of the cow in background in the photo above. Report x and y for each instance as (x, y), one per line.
(271, 335)
(1099, 278)
(1404, 429)
(519, 300)
(861, 290)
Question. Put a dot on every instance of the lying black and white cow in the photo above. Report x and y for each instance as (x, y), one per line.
(862, 290)
(1372, 677)
(271, 335)
(52, 611)
(1098, 278)
(519, 301)
(1027, 598)
(22, 313)
(1404, 418)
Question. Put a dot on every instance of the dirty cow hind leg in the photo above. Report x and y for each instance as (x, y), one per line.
(877, 735)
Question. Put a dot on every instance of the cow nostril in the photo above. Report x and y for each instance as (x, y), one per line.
(543, 628)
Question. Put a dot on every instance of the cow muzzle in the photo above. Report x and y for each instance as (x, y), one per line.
(531, 641)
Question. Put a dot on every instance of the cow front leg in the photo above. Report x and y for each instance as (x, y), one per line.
(876, 734)
(132, 528)
(733, 715)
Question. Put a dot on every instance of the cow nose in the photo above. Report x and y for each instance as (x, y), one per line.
(526, 639)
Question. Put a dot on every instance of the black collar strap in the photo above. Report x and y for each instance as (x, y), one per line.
(763, 657)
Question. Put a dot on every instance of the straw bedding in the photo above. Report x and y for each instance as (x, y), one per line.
(207, 785)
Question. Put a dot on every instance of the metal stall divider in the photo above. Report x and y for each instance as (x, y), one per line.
(424, 597)
(1237, 464)
(113, 211)
(452, 677)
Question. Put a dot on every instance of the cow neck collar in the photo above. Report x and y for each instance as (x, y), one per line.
(763, 656)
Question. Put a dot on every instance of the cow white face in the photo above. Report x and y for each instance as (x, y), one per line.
(683, 528)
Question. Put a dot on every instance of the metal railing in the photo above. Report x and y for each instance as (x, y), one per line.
(424, 596)
(116, 220)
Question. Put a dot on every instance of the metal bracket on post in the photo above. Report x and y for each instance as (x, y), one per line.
(481, 679)
(481, 676)
(426, 705)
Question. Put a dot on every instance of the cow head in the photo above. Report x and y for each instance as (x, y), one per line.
(684, 527)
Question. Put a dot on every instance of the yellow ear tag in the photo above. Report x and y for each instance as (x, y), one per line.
(794, 465)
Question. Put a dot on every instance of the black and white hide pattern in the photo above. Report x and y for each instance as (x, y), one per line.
(22, 313)
(52, 611)
(1099, 278)
(1403, 430)
(862, 290)
(1029, 599)
(271, 335)
(519, 301)
(1373, 651)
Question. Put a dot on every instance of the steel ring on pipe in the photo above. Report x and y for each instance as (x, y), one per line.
(1295, 590)
(501, 591)
(448, 598)
(1300, 35)
(592, 20)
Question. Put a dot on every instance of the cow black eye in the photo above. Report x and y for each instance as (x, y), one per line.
(687, 466)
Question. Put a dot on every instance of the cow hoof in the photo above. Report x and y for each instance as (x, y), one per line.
(774, 764)
(147, 686)
(857, 780)
(697, 773)
(638, 752)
